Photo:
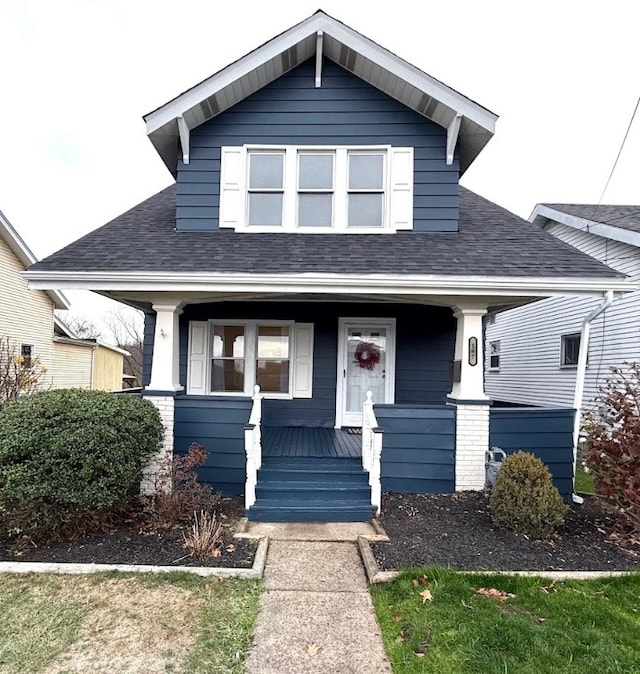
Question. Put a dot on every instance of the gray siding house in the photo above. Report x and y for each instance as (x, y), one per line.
(315, 280)
(533, 351)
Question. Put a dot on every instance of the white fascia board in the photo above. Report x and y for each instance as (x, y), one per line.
(23, 253)
(342, 33)
(541, 213)
(379, 284)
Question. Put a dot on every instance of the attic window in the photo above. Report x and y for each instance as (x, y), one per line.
(316, 189)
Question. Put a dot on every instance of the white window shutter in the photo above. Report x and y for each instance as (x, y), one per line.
(401, 191)
(303, 363)
(197, 372)
(231, 187)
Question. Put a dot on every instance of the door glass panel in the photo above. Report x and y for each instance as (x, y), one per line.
(366, 366)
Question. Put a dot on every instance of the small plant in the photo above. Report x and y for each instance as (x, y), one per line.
(19, 375)
(178, 492)
(524, 499)
(613, 441)
(204, 538)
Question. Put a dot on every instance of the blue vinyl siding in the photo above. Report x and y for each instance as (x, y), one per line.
(344, 111)
(418, 448)
(218, 425)
(424, 349)
(545, 432)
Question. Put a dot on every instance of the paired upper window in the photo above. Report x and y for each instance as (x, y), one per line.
(316, 189)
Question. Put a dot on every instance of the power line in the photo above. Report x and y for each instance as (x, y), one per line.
(615, 163)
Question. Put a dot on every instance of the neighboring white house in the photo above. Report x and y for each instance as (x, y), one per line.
(27, 318)
(532, 351)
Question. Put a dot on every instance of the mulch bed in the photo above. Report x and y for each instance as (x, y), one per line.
(455, 530)
(135, 544)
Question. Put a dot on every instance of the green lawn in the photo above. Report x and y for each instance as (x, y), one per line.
(587, 626)
(125, 623)
(584, 481)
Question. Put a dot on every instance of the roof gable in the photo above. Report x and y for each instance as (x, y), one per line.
(23, 253)
(618, 223)
(466, 121)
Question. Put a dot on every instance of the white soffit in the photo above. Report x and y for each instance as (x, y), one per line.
(541, 214)
(349, 49)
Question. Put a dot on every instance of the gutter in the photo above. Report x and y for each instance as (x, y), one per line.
(580, 377)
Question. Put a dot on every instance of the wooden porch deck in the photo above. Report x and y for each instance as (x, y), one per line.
(299, 441)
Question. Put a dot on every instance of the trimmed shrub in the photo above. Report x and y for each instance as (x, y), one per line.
(613, 441)
(524, 499)
(69, 454)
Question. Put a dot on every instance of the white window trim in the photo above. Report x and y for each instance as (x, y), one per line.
(250, 357)
(234, 190)
(499, 354)
(563, 365)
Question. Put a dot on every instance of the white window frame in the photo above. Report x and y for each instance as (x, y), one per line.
(563, 344)
(397, 188)
(494, 368)
(250, 356)
(32, 355)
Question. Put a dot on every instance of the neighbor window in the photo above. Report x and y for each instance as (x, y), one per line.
(494, 355)
(316, 188)
(570, 349)
(26, 355)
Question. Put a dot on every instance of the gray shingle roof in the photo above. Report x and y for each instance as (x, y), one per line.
(625, 217)
(491, 241)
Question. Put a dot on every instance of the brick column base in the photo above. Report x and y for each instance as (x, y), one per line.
(156, 473)
(472, 441)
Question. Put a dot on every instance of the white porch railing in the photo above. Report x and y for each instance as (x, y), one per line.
(372, 450)
(253, 448)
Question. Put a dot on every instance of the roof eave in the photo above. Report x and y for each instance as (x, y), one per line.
(273, 59)
(26, 257)
(542, 214)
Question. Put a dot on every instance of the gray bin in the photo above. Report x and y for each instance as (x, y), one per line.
(492, 466)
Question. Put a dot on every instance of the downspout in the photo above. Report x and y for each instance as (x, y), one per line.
(580, 376)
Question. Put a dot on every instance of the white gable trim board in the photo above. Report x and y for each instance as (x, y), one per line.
(321, 35)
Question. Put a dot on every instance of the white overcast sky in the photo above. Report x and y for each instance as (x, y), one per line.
(76, 76)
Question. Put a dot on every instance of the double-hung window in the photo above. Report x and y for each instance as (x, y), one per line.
(569, 350)
(230, 357)
(316, 188)
(494, 355)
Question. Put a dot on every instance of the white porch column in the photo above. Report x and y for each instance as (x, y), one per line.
(472, 403)
(165, 381)
(165, 364)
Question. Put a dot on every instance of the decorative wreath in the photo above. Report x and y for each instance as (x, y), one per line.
(367, 355)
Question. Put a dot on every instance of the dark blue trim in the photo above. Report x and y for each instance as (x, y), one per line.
(165, 394)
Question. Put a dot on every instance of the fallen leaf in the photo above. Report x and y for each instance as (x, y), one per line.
(423, 580)
(216, 552)
(415, 582)
(397, 618)
(548, 589)
(462, 601)
(400, 639)
(312, 649)
(495, 594)
(230, 548)
(426, 596)
(418, 655)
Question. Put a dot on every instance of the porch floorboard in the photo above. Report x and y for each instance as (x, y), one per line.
(304, 442)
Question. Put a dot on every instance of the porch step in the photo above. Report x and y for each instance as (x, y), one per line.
(311, 490)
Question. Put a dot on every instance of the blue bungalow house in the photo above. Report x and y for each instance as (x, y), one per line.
(315, 280)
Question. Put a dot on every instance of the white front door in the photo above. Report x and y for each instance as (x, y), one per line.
(366, 362)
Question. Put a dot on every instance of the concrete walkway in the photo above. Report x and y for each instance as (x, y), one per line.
(316, 614)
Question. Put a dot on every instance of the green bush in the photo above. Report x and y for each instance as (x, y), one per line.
(69, 454)
(524, 499)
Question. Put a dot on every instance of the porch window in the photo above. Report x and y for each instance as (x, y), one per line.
(277, 355)
(569, 350)
(228, 362)
(272, 364)
(316, 188)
